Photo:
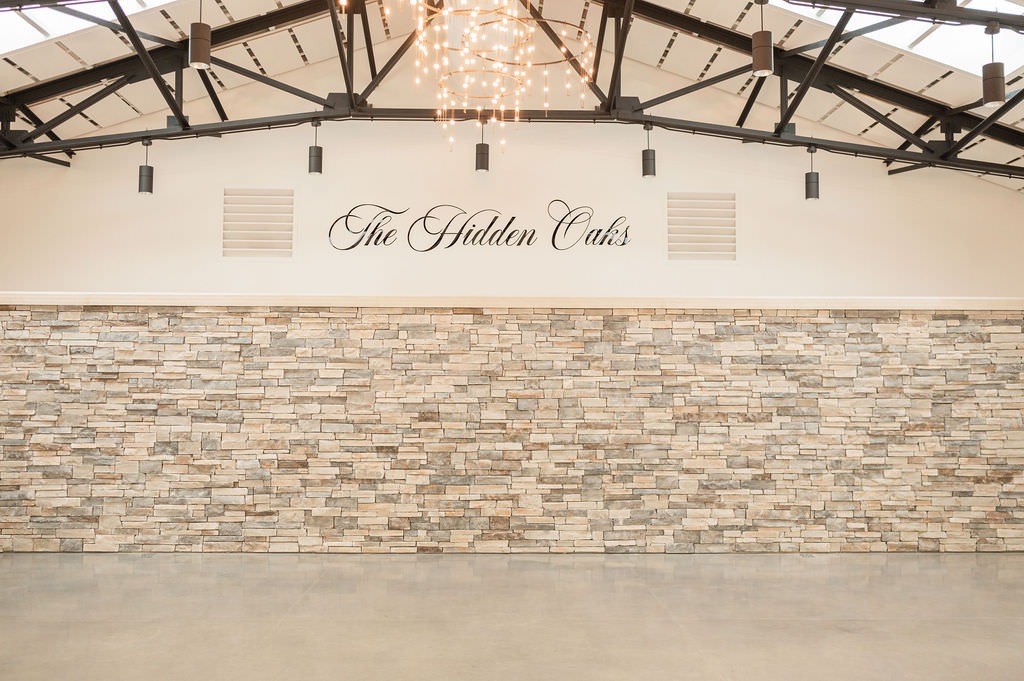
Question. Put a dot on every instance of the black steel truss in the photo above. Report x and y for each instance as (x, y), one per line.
(791, 65)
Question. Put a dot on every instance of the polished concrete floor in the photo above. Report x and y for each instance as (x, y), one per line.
(285, 617)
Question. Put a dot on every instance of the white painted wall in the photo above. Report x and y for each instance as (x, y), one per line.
(929, 238)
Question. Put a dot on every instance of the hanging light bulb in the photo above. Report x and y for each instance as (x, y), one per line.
(647, 165)
(146, 172)
(762, 48)
(316, 153)
(199, 40)
(811, 184)
(993, 75)
(483, 154)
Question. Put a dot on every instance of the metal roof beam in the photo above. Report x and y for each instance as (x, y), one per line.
(73, 111)
(368, 40)
(409, 41)
(342, 51)
(553, 37)
(755, 90)
(214, 99)
(147, 62)
(615, 84)
(544, 115)
(37, 121)
(922, 129)
(812, 73)
(845, 38)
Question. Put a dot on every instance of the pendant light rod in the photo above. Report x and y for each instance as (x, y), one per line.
(200, 42)
(146, 171)
(648, 167)
(812, 180)
(762, 48)
(483, 152)
(316, 152)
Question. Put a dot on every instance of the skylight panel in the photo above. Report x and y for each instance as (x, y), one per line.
(963, 47)
(16, 33)
(23, 28)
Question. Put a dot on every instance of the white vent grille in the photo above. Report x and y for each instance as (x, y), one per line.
(258, 222)
(701, 226)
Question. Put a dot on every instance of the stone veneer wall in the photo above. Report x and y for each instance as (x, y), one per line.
(308, 429)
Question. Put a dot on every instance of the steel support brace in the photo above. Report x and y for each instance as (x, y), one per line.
(573, 62)
(755, 90)
(700, 85)
(615, 84)
(812, 73)
(149, 64)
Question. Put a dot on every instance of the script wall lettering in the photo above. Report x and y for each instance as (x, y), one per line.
(447, 226)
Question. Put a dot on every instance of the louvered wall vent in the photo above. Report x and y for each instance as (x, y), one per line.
(258, 222)
(701, 226)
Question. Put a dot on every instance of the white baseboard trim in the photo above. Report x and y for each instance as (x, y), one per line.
(191, 299)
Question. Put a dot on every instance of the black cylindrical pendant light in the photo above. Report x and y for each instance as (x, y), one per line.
(316, 153)
(316, 160)
(812, 189)
(199, 43)
(763, 53)
(647, 163)
(483, 157)
(993, 74)
(483, 154)
(993, 84)
(811, 186)
(762, 48)
(199, 46)
(146, 172)
(146, 179)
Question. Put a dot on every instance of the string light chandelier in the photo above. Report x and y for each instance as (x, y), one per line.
(482, 58)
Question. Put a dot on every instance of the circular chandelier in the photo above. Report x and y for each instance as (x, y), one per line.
(481, 57)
